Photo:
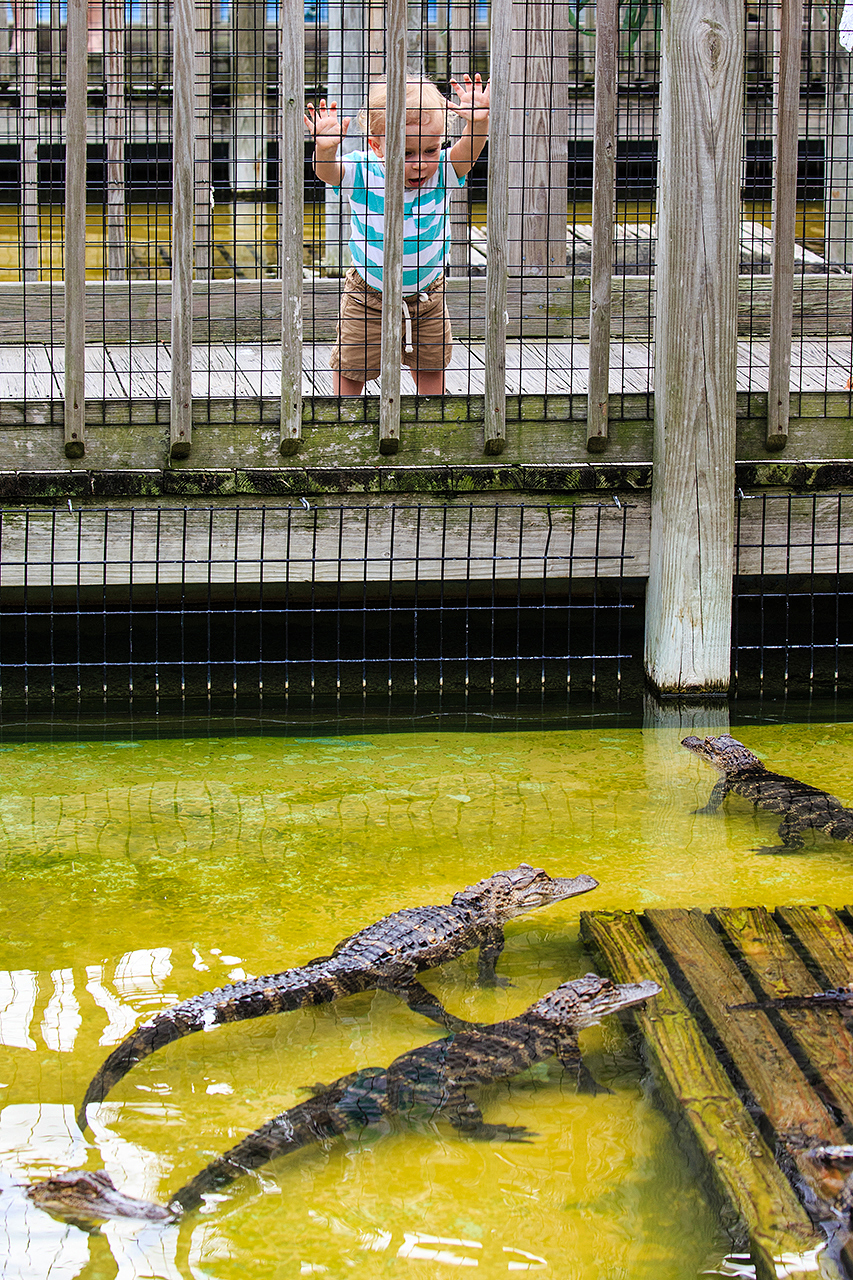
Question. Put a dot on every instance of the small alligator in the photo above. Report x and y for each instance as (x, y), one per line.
(386, 956)
(804, 807)
(834, 998)
(436, 1080)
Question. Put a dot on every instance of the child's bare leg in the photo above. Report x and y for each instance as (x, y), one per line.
(344, 386)
(429, 382)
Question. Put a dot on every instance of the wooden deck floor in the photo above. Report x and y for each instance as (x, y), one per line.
(250, 370)
(757, 1089)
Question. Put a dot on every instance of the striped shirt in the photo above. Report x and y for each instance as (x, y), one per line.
(426, 221)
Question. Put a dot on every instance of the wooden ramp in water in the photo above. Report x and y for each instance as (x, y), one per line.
(756, 1088)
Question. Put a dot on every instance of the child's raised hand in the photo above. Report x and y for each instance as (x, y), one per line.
(473, 98)
(322, 122)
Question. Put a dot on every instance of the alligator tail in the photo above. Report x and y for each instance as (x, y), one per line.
(309, 1122)
(278, 993)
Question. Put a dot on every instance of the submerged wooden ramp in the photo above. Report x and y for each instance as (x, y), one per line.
(756, 1088)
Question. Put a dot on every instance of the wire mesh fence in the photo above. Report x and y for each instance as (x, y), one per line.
(238, 84)
(169, 607)
(173, 607)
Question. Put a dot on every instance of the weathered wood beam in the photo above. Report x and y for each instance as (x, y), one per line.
(292, 79)
(603, 198)
(784, 222)
(497, 226)
(392, 244)
(75, 229)
(689, 601)
(183, 201)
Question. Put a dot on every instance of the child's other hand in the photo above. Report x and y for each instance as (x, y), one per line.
(322, 122)
(473, 98)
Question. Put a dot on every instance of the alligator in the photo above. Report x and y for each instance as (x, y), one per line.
(436, 1080)
(386, 955)
(804, 807)
(834, 998)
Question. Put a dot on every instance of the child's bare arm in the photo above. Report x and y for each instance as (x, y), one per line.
(473, 107)
(327, 131)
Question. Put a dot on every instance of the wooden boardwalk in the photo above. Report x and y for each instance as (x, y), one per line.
(756, 1089)
(253, 370)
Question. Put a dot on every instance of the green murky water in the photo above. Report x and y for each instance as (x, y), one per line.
(140, 872)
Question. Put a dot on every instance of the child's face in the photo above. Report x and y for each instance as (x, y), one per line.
(423, 150)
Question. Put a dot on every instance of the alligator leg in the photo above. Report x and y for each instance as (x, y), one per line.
(716, 798)
(490, 950)
(570, 1058)
(467, 1119)
(791, 835)
(424, 1002)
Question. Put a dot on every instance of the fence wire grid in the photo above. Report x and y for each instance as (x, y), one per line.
(187, 607)
(238, 85)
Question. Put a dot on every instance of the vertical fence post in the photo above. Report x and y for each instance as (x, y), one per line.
(392, 252)
(76, 70)
(114, 49)
(183, 165)
(461, 15)
(291, 164)
(689, 599)
(603, 193)
(203, 255)
(784, 223)
(497, 226)
(28, 90)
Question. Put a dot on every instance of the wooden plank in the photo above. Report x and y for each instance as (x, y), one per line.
(784, 222)
(183, 203)
(825, 938)
(698, 1088)
(75, 230)
(497, 227)
(603, 199)
(245, 310)
(292, 79)
(776, 1082)
(689, 598)
(780, 972)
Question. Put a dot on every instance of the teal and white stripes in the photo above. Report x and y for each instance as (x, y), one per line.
(426, 226)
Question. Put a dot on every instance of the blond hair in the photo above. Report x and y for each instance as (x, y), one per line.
(422, 98)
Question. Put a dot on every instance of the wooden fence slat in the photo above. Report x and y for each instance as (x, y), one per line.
(497, 227)
(203, 255)
(603, 196)
(784, 222)
(392, 244)
(292, 64)
(114, 127)
(693, 1079)
(75, 229)
(779, 970)
(183, 179)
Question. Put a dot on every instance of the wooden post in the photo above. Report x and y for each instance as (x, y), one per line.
(392, 253)
(292, 76)
(603, 196)
(689, 598)
(839, 130)
(784, 223)
(115, 130)
(248, 136)
(183, 161)
(77, 62)
(497, 227)
(29, 138)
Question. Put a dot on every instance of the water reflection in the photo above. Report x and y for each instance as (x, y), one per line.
(139, 977)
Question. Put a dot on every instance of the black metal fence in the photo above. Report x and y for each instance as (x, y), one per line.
(177, 608)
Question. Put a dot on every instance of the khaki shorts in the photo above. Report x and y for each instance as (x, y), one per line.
(356, 354)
